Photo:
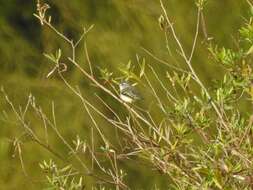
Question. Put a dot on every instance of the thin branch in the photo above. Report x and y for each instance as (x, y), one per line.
(188, 61)
(88, 58)
(64, 141)
(196, 35)
(163, 62)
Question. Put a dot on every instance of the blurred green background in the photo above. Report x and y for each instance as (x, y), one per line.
(121, 28)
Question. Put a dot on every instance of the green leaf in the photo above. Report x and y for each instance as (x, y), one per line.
(65, 168)
(58, 54)
(50, 57)
(142, 68)
(250, 51)
(217, 183)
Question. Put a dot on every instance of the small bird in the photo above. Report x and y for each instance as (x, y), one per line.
(128, 93)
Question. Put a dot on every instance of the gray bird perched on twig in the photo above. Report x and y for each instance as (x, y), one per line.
(128, 93)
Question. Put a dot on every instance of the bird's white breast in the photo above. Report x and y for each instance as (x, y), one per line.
(126, 99)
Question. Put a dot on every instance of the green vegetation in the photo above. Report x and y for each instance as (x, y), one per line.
(63, 125)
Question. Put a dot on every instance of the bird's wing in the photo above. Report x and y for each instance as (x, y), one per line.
(131, 92)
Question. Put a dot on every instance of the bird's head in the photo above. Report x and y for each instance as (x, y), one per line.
(123, 85)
